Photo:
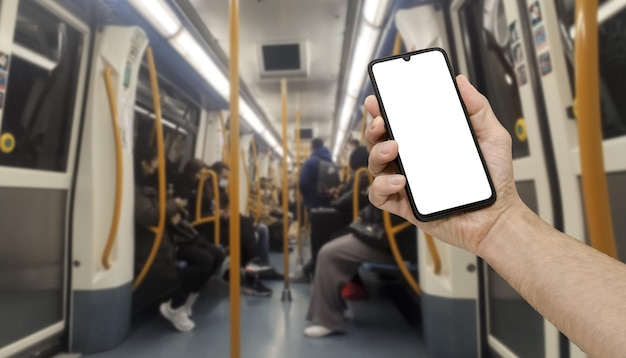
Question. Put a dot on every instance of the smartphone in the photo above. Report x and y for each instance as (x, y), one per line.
(438, 151)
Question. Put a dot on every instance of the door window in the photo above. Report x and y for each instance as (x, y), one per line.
(492, 69)
(612, 47)
(41, 90)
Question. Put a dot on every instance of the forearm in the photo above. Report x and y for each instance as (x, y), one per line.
(580, 290)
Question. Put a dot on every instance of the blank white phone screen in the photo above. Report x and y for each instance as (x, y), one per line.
(438, 154)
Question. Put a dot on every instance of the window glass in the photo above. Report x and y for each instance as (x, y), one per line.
(491, 65)
(612, 47)
(41, 90)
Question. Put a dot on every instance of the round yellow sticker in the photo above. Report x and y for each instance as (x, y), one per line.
(520, 130)
(7, 143)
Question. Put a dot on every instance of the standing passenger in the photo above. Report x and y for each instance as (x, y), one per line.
(312, 196)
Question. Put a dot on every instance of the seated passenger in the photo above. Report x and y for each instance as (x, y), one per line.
(339, 261)
(199, 263)
(343, 202)
(250, 254)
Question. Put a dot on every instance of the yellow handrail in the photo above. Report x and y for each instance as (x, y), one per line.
(225, 149)
(246, 171)
(434, 253)
(391, 235)
(594, 186)
(285, 187)
(298, 198)
(256, 180)
(355, 190)
(363, 124)
(158, 126)
(199, 219)
(119, 171)
(235, 264)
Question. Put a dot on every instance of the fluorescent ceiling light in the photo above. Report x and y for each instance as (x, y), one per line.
(158, 15)
(189, 48)
(346, 113)
(373, 16)
(363, 52)
(248, 114)
(165, 21)
(374, 11)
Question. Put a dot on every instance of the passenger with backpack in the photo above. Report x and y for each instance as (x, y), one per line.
(318, 176)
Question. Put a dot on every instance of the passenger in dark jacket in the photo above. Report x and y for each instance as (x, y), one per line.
(343, 199)
(249, 250)
(199, 262)
(311, 196)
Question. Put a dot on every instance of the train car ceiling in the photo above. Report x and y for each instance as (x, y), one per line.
(316, 28)
(181, 53)
(351, 110)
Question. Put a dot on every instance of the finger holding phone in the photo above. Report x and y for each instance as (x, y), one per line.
(453, 169)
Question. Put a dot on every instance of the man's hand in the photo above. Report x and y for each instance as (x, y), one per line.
(464, 230)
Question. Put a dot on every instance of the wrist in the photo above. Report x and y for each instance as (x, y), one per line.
(517, 217)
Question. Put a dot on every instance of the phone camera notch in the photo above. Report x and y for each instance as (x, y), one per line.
(406, 58)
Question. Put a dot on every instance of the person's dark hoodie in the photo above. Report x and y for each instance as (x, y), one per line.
(308, 179)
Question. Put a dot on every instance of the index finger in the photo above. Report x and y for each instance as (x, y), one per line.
(376, 131)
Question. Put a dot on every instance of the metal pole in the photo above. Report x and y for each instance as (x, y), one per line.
(297, 190)
(235, 306)
(595, 192)
(286, 291)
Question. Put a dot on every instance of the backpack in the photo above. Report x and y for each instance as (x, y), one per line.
(327, 176)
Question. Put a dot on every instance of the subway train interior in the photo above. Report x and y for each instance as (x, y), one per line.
(149, 149)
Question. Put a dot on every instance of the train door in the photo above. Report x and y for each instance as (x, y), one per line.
(500, 64)
(43, 55)
(557, 62)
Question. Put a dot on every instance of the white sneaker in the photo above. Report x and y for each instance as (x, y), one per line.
(191, 300)
(178, 317)
(316, 331)
(254, 268)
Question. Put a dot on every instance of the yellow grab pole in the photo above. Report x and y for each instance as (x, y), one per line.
(363, 124)
(434, 253)
(225, 153)
(286, 291)
(235, 305)
(297, 190)
(158, 129)
(119, 170)
(595, 192)
(397, 255)
(397, 44)
(256, 180)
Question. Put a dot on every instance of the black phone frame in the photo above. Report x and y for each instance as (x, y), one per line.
(446, 212)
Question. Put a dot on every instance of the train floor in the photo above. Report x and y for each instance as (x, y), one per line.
(272, 328)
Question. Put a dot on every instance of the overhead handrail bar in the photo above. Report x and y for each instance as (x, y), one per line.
(158, 126)
(215, 217)
(119, 170)
(594, 185)
(356, 190)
